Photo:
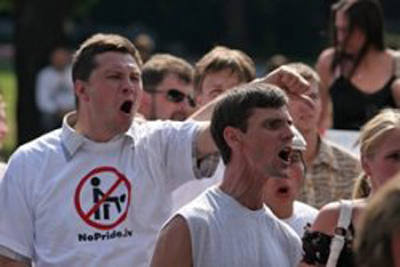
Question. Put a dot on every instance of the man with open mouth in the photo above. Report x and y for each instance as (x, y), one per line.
(97, 191)
(280, 194)
(229, 224)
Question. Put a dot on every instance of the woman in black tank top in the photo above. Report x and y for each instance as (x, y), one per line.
(358, 74)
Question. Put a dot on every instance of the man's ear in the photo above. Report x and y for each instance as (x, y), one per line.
(81, 90)
(233, 137)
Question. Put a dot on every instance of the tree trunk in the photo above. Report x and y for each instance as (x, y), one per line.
(39, 27)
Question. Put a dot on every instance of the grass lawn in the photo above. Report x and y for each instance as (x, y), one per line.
(9, 89)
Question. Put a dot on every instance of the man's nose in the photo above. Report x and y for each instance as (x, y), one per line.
(288, 132)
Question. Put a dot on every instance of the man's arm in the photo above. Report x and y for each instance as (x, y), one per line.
(173, 248)
(7, 262)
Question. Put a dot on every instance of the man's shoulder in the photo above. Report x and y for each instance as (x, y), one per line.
(43, 144)
(201, 208)
(339, 153)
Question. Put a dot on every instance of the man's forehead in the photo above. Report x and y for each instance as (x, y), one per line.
(278, 113)
(113, 59)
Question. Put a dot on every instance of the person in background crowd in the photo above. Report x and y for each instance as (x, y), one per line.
(55, 90)
(218, 71)
(329, 241)
(331, 170)
(168, 88)
(145, 45)
(280, 194)
(275, 61)
(358, 67)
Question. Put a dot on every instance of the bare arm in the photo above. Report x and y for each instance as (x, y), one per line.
(325, 222)
(323, 68)
(7, 262)
(173, 248)
(396, 92)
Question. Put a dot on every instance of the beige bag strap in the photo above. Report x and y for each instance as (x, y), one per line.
(338, 240)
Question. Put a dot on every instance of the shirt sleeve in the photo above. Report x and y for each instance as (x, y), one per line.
(16, 220)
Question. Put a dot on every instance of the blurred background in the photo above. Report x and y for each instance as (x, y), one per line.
(30, 29)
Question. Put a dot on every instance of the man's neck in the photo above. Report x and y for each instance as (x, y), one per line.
(282, 210)
(91, 131)
(244, 186)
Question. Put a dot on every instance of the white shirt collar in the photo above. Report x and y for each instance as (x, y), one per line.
(73, 140)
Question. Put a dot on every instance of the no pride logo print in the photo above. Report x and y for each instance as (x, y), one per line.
(102, 198)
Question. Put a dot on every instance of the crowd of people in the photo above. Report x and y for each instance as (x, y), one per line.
(158, 162)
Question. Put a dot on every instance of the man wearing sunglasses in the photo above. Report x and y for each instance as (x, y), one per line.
(168, 85)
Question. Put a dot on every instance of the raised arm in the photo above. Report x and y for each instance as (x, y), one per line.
(325, 222)
(323, 68)
(173, 248)
(283, 77)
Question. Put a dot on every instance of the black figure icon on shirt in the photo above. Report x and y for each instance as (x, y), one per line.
(103, 212)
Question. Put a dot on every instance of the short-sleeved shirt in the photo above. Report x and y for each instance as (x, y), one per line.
(69, 201)
(302, 216)
(331, 176)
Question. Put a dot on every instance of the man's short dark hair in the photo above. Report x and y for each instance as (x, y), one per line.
(159, 66)
(234, 109)
(84, 62)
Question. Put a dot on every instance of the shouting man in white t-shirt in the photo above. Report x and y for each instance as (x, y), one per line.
(229, 225)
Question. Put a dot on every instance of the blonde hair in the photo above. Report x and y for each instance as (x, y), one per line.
(361, 188)
(375, 129)
(377, 224)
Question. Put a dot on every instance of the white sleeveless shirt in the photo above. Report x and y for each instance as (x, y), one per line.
(225, 233)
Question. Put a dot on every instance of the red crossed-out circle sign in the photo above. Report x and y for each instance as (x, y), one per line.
(113, 182)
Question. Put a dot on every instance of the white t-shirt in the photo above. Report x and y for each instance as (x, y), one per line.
(302, 215)
(189, 191)
(54, 90)
(69, 201)
(225, 233)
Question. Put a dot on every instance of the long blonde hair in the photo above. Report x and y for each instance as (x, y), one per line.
(370, 136)
(373, 131)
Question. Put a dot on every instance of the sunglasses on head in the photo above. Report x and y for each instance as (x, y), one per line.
(176, 96)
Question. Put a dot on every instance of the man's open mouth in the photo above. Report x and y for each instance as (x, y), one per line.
(126, 107)
(285, 154)
(283, 189)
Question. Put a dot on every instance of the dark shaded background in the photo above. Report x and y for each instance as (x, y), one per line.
(189, 28)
